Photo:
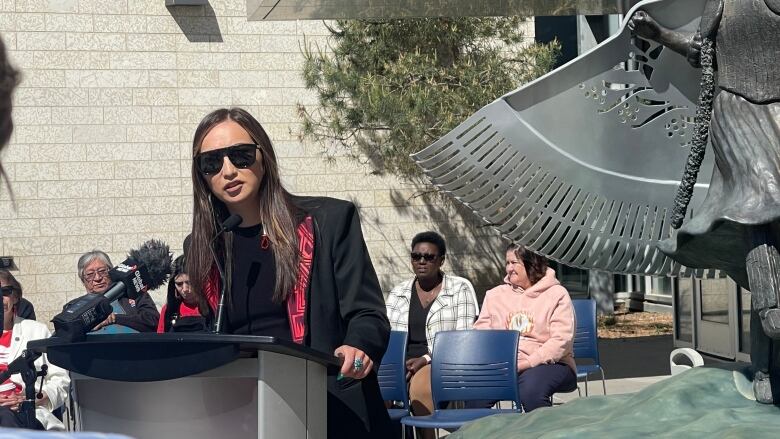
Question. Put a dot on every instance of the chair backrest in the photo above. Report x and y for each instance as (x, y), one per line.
(475, 365)
(392, 369)
(585, 337)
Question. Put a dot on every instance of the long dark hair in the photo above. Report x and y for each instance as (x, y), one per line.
(173, 301)
(535, 265)
(278, 213)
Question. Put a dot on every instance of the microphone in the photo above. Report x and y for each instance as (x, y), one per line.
(146, 268)
(227, 226)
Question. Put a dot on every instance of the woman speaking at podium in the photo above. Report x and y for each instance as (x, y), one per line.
(296, 268)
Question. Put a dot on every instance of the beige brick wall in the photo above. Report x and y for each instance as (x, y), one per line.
(111, 95)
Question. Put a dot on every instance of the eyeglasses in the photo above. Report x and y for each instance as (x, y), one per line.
(7, 290)
(427, 257)
(94, 275)
(242, 156)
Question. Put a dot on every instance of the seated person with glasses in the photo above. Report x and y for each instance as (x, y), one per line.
(129, 315)
(16, 333)
(181, 312)
(429, 302)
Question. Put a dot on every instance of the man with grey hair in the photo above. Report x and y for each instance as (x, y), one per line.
(129, 315)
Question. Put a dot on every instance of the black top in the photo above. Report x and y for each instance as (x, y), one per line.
(140, 314)
(418, 343)
(251, 309)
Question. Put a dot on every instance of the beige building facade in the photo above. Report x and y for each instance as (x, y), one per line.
(100, 157)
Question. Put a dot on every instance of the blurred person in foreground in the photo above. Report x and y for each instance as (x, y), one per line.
(16, 333)
(128, 315)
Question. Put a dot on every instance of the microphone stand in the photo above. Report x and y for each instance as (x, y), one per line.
(227, 226)
(222, 289)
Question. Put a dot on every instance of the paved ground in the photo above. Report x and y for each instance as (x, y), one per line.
(636, 357)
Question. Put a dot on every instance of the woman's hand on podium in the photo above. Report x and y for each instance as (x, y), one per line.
(356, 363)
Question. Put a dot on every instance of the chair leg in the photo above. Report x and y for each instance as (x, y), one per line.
(579, 392)
(586, 385)
(603, 381)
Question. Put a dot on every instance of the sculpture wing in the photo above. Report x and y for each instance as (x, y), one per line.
(582, 165)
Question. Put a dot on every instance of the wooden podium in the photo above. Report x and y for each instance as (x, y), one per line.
(195, 385)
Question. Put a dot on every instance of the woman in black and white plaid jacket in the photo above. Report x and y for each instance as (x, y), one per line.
(430, 302)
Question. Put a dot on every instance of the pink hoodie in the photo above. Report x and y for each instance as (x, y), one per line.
(543, 314)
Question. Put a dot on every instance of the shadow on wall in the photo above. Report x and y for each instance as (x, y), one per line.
(474, 249)
(198, 23)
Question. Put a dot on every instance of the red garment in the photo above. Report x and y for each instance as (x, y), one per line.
(184, 311)
(296, 301)
(8, 387)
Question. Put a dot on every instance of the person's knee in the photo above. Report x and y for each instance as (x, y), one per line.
(420, 384)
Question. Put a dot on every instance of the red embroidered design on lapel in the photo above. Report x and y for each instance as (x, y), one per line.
(296, 301)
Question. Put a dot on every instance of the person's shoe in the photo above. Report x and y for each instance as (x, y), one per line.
(762, 388)
(770, 321)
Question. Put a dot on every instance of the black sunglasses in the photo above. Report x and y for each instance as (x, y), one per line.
(241, 156)
(7, 290)
(427, 257)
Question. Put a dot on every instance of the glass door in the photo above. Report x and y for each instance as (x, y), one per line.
(716, 317)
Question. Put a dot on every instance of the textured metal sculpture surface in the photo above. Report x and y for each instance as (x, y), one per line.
(582, 164)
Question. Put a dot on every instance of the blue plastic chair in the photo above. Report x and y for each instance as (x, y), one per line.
(474, 365)
(586, 341)
(392, 376)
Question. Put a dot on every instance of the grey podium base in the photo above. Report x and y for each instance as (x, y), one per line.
(272, 396)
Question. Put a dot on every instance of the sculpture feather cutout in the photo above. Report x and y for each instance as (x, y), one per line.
(582, 165)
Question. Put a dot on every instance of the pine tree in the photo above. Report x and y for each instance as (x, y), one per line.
(390, 88)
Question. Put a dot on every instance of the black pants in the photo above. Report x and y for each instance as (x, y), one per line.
(537, 385)
(12, 419)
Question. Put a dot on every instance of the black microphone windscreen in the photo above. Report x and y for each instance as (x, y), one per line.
(156, 256)
(232, 222)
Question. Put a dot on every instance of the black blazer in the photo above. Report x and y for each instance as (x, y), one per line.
(345, 306)
(143, 317)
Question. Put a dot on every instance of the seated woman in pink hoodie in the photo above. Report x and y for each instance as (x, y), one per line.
(532, 301)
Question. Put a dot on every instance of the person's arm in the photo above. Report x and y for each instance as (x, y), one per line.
(144, 319)
(686, 44)
(484, 320)
(361, 303)
(561, 335)
(465, 306)
(161, 322)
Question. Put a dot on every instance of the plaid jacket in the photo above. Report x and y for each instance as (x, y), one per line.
(454, 308)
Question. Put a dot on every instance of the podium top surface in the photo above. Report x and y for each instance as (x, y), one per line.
(155, 357)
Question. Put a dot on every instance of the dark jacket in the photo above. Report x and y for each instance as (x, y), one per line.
(345, 306)
(142, 317)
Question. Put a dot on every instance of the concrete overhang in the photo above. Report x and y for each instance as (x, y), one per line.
(273, 10)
